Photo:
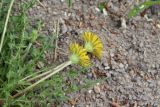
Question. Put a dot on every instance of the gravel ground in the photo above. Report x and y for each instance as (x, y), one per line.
(131, 58)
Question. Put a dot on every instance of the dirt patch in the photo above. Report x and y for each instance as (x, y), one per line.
(131, 58)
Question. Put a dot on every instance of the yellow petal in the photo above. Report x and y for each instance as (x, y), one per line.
(92, 38)
(81, 53)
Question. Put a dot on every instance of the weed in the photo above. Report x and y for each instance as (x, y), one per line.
(141, 7)
(19, 54)
(101, 6)
(69, 2)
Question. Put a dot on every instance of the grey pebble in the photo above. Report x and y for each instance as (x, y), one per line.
(137, 46)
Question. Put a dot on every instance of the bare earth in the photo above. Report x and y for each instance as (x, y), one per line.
(131, 58)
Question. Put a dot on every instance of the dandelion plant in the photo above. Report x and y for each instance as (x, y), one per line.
(92, 44)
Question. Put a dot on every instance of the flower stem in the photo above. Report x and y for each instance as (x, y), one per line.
(39, 74)
(29, 76)
(46, 73)
(43, 79)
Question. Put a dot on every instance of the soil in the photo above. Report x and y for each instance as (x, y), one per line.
(131, 55)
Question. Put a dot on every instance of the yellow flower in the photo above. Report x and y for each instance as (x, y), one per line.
(79, 55)
(93, 44)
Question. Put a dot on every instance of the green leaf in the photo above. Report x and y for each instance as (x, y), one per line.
(141, 7)
(101, 6)
(69, 2)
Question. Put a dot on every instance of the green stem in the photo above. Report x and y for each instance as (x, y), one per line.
(5, 26)
(27, 50)
(29, 76)
(41, 80)
(40, 74)
(46, 73)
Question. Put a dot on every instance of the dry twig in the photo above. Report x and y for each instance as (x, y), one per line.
(41, 4)
(56, 34)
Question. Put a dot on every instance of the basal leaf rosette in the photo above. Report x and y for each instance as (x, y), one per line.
(93, 44)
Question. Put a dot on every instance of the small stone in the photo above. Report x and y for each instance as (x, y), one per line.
(105, 12)
(89, 75)
(123, 23)
(126, 66)
(158, 25)
(121, 65)
(141, 44)
(63, 29)
(131, 73)
(89, 91)
(114, 64)
(106, 68)
(98, 83)
(97, 89)
(158, 83)
(133, 79)
(112, 54)
(97, 9)
(105, 64)
(141, 73)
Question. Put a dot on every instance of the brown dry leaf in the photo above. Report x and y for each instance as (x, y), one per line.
(81, 25)
(1, 102)
(94, 74)
(100, 74)
(148, 105)
(146, 77)
(115, 104)
(72, 102)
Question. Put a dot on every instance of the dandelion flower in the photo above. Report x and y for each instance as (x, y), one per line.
(79, 55)
(93, 44)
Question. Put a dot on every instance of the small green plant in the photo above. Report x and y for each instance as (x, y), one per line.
(102, 6)
(69, 2)
(141, 7)
(20, 52)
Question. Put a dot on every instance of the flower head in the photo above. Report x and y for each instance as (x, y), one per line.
(79, 55)
(93, 44)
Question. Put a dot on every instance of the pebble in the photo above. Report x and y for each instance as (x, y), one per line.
(97, 9)
(90, 75)
(62, 0)
(136, 43)
(89, 91)
(107, 67)
(123, 23)
(64, 29)
(121, 65)
(112, 54)
(158, 83)
(158, 25)
(105, 12)
(97, 89)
